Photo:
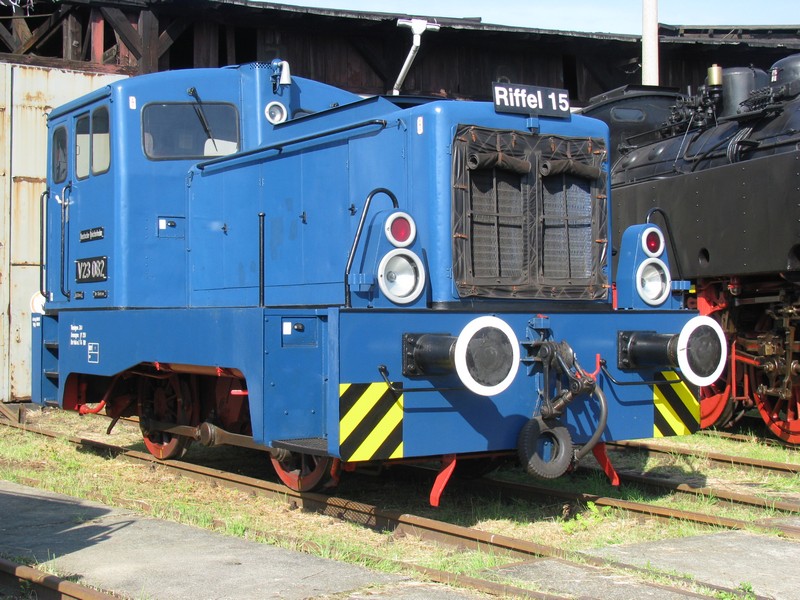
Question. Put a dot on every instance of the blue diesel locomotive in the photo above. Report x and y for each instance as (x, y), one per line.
(240, 256)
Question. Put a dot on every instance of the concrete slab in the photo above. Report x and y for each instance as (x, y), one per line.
(581, 581)
(141, 557)
(730, 559)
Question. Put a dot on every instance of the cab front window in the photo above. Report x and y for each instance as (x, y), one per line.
(172, 131)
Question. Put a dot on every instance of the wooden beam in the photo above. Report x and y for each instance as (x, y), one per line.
(97, 26)
(267, 43)
(172, 33)
(230, 45)
(122, 27)
(371, 52)
(206, 44)
(148, 28)
(7, 38)
(44, 30)
(71, 38)
(59, 63)
(20, 29)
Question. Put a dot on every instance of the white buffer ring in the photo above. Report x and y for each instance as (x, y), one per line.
(491, 352)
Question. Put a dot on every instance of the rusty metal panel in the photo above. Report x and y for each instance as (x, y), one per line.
(27, 94)
(5, 208)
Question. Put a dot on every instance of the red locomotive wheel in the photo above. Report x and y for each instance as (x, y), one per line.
(782, 416)
(169, 401)
(304, 472)
(716, 407)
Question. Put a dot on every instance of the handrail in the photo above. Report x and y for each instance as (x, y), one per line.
(357, 238)
(290, 142)
(42, 204)
(64, 218)
(261, 241)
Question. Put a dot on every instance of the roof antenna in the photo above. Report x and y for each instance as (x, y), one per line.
(418, 27)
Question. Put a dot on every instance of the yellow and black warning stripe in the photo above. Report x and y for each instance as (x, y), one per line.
(677, 409)
(370, 421)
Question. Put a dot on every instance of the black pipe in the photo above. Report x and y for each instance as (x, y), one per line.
(601, 425)
(261, 259)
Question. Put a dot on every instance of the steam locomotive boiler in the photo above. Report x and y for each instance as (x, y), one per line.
(723, 177)
(242, 256)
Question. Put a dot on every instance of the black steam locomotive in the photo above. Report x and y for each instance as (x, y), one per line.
(721, 174)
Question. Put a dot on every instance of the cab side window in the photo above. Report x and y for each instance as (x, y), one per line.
(82, 147)
(92, 143)
(59, 161)
(101, 141)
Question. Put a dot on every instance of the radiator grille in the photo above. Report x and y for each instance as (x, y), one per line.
(497, 224)
(566, 228)
(529, 215)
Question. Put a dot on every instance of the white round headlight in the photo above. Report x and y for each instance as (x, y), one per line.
(401, 276)
(653, 282)
(276, 112)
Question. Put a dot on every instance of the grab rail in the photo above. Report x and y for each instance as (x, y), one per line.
(290, 142)
(64, 219)
(42, 204)
(357, 238)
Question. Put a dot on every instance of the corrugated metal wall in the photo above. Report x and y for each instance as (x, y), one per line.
(27, 94)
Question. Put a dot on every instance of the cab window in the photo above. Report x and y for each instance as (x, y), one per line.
(172, 131)
(92, 143)
(101, 141)
(82, 150)
(59, 162)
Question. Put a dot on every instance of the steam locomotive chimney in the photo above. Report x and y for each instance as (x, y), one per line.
(649, 42)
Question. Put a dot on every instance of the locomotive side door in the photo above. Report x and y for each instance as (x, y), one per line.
(81, 210)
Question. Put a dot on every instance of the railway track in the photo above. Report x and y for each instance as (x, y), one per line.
(33, 583)
(715, 457)
(430, 529)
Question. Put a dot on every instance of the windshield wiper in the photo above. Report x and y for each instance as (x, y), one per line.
(201, 114)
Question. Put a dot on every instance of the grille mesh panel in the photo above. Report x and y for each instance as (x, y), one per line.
(497, 224)
(567, 228)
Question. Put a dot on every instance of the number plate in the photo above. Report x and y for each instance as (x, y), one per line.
(90, 270)
(530, 100)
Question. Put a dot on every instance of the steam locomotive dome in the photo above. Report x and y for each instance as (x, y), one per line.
(786, 70)
(741, 113)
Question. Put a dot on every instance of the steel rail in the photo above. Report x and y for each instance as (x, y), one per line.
(44, 586)
(728, 496)
(651, 510)
(717, 457)
(749, 439)
(422, 527)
